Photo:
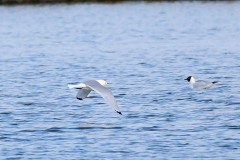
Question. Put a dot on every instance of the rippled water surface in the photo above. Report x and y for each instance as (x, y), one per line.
(145, 50)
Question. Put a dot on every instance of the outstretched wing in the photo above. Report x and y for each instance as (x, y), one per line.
(105, 93)
(83, 93)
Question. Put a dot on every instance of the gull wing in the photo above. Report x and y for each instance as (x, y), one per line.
(202, 84)
(82, 93)
(105, 93)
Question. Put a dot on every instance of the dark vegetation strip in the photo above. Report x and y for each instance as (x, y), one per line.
(13, 2)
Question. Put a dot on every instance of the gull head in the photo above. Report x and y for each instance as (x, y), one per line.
(103, 83)
(190, 79)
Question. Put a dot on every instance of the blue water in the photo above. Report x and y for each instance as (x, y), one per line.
(145, 50)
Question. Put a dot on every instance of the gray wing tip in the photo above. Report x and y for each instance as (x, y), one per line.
(215, 82)
(119, 112)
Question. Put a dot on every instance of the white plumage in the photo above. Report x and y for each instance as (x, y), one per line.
(98, 86)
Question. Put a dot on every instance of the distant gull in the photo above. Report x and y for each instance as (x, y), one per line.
(198, 85)
(100, 87)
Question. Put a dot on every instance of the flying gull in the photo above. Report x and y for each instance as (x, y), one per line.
(98, 86)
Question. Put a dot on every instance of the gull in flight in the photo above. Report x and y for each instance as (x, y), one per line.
(197, 85)
(98, 86)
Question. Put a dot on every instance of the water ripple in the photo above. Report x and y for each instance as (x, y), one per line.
(145, 50)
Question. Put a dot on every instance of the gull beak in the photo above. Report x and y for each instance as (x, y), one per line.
(185, 79)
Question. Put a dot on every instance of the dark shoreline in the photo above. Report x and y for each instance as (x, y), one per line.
(15, 2)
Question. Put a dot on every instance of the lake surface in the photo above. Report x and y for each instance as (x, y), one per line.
(144, 50)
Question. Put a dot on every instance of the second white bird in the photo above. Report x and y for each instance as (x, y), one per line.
(198, 85)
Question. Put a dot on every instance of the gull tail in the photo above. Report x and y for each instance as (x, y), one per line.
(71, 86)
(215, 82)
